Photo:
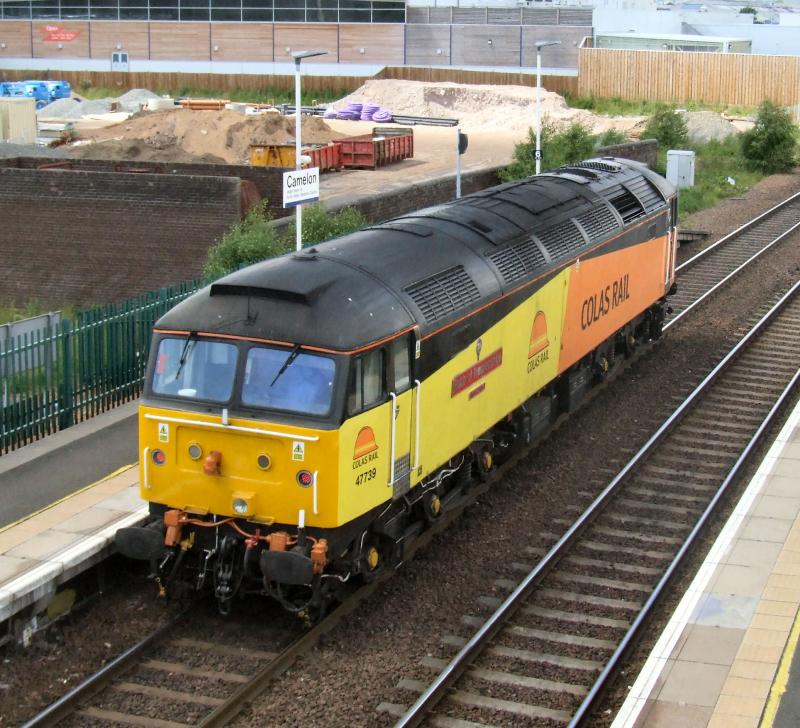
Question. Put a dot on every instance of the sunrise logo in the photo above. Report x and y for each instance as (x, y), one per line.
(539, 341)
(365, 443)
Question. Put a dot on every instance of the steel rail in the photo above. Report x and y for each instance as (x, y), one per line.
(235, 703)
(633, 631)
(732, 274)
(67, 704)
(738, 231)
(437, 690)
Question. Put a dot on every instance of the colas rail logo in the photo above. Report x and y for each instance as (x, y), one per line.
(539, 346)
(366, 449)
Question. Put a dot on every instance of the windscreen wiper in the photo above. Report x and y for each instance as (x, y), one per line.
(191, 339)
(289, 359)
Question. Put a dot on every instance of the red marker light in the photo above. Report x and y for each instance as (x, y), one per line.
(305, 479)
(159, 458)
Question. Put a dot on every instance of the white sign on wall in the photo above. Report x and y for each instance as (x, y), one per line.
(300, 187)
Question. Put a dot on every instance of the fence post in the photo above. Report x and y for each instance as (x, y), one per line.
(66, 410)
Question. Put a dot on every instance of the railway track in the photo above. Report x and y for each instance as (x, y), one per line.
(171, 680)
(214, 697)
(703, 274)
(551, 646)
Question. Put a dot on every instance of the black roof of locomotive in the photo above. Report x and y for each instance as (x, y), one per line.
(424, 268)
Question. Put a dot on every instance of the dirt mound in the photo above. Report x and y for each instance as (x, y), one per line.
(186, 135)
(703, 126)
(478, 106)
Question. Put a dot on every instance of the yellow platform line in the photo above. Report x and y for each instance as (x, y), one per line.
(781, 677)
(118, 471)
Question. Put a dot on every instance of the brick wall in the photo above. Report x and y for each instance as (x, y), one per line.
(81, 238)
(643, 151)
(267, 180)
(96, 234)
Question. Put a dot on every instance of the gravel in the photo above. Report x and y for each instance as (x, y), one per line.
(703, 126)
(341, 682)
(359, 664)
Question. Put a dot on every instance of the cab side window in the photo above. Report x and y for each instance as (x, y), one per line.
(401, 362)
(366, 382)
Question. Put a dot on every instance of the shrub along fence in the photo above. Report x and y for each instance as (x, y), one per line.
(60, 375)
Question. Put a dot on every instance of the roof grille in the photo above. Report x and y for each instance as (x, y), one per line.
(562, 240)
(598, 223)
(598, 165)
(647, 193)
(443, 293)
(518, 261)
(625, 203)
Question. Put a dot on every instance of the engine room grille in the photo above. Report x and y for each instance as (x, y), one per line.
(443, 293)
(562, 240)
(518, 261)
(626, 203)
(598, 223)
(647, 193)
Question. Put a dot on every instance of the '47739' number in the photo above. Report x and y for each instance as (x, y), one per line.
(366, 475)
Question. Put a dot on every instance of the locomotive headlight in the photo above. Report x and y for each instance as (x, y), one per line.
(263, 461)
(241, 506)
(305, 479)
(195, 451)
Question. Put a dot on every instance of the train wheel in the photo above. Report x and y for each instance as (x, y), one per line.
(371, 562)
(432, 506)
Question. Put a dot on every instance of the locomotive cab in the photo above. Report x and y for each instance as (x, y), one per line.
(243, 462)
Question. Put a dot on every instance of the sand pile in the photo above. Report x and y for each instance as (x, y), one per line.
(182, 135)
(73, 109)
(478, 107)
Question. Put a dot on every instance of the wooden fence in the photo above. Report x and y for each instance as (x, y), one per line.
(325, 86)
(674, 76)
(558, 84)
(330, 86)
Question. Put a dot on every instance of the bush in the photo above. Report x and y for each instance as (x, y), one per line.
(611, 138)
(771, 145)
(249, 241)
(571, 144)
(668, 127)
(320, 225)
(254, 238)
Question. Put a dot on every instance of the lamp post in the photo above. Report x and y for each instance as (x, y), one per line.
(298, 123)
(539, 45)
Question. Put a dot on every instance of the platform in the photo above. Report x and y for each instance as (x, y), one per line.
(42, 551)
(724, 659)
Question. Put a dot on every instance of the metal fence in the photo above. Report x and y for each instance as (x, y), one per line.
(62, 374)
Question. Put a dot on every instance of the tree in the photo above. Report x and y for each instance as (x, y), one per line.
(748, 11)
(771, 145)
(668, 127)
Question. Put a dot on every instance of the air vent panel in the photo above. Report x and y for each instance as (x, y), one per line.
(518, 261)
(598, 223)
(647, 193)
(440, 295)
(562, 240)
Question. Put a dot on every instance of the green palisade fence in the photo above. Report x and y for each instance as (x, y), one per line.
(54, 378)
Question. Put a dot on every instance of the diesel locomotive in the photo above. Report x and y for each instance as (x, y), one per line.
(305, 417)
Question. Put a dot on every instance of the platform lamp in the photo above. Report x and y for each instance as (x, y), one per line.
(298, 118)
(539, 45)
